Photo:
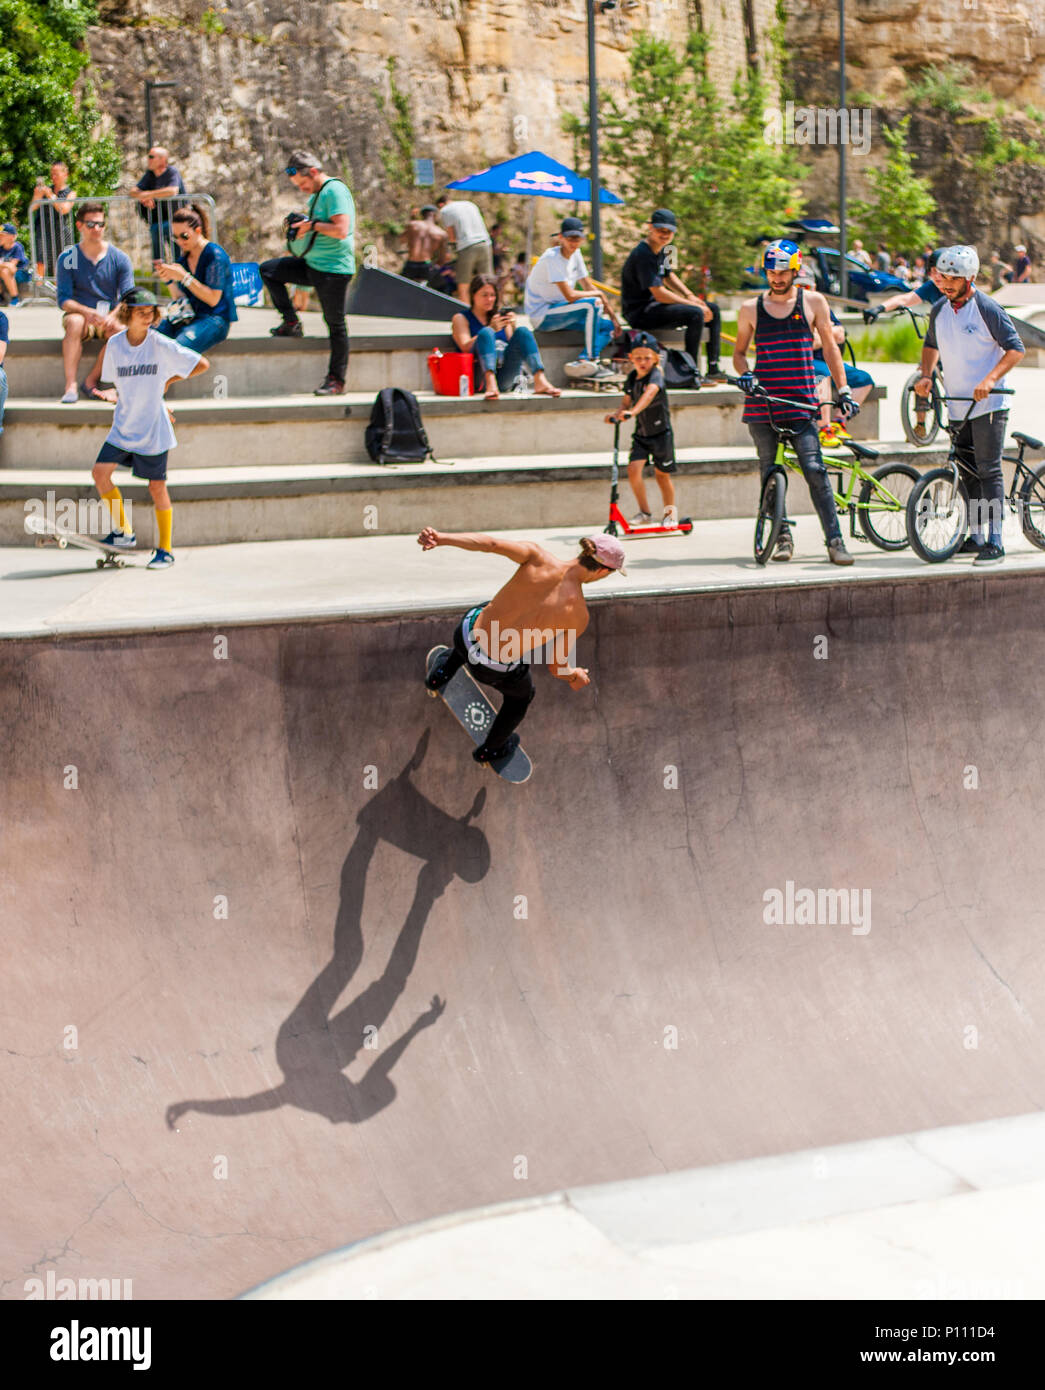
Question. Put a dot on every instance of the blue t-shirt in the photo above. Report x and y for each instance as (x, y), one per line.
(170, 178)
(476, 325)
(15, 253)
(3, 327)
(213, 269)
(90, 283)
(928, 293)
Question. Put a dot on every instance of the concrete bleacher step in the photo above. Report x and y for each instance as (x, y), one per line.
(277, 502)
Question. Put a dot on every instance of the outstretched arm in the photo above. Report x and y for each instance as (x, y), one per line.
(521, 552)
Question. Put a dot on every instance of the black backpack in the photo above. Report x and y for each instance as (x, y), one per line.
(679, 369)
(395, 433)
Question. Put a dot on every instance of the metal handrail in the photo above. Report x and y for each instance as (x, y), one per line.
(131, 235)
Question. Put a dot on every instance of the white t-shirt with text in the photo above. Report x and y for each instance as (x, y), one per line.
(139, 374)
(541, 293)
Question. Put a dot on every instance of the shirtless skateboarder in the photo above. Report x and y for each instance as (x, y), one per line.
(541, 606)
(426, 242)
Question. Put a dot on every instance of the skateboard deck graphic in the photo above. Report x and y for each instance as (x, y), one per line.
(109, 556)
(474, 712)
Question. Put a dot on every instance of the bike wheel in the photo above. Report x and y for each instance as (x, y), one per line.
(937, 515)
(1032, 508)
(883, 521)
(770, 515)
(908, 413)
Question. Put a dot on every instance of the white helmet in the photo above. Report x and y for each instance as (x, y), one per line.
(959, 260)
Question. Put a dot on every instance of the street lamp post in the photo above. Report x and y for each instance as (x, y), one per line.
(151, 87)
(843, 244)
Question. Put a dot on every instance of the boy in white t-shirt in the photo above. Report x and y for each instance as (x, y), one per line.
(552, 300)
(142, 364)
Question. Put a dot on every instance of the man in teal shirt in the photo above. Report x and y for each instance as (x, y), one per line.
(322, 254)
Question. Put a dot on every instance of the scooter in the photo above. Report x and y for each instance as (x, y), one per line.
(618, 525)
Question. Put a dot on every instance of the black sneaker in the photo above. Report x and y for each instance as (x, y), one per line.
(496, 755)
(837, 553)
(714, 376)
(438, 677)
(288, 330)
(990, 554)
(332, 386)
(969, 546)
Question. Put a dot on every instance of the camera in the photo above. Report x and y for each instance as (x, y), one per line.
(291, 223)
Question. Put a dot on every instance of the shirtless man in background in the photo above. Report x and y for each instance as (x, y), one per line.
(426, 242)
(542, 605)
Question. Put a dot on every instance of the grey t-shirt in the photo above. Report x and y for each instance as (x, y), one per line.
(971, 341)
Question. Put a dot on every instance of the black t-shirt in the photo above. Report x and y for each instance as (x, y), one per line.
(643, 269)
(164, 209)
(656, 418)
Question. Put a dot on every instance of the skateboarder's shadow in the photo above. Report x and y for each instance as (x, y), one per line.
(315, 1045)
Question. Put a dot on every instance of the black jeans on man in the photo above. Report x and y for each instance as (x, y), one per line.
(330, 289)
(689, 317)
(515, 685)
(807, 449)
(979, 445)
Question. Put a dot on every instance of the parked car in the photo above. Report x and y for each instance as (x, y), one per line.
(862, 282)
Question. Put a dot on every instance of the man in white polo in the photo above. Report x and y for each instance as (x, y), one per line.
(977, 344)
(467, 230)
(552, 300)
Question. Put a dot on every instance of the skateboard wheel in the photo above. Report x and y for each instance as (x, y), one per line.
(99, 564)
(62, 542)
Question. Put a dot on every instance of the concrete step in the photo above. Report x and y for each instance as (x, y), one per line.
(266, 502)
(240, 431)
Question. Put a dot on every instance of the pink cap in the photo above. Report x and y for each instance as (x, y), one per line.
(609, 551)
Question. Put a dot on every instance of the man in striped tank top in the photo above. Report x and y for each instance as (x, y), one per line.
(782, 323)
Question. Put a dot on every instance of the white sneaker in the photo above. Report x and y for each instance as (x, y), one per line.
(641, 519)
(603, 372)
(581, 369)
(670, 517)
(71, 396)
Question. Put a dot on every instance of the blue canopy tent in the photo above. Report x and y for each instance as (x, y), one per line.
(535, 175)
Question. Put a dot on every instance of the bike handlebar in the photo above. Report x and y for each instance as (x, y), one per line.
(860, 450)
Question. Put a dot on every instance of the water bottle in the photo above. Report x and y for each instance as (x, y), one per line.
(523, 384)
(464, 386)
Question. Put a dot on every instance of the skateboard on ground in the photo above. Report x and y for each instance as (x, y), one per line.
(473, 711)
(46, 533)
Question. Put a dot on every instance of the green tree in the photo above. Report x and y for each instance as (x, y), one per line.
(901, 203)
(47, 109)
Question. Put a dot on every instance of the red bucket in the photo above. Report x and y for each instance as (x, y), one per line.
(451, 372)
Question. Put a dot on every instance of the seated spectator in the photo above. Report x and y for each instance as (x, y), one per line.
(901, 269)
(202, 275)
(917, 272)
(3, 374)
(1022, 268)
(50, 220)
(14, 264)
(156, 192)
(93, 277)
(501, 347)
(859, 381)
(858, 252)
(928, 292)
(553, 302)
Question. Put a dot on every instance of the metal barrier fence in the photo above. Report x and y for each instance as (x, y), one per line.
(51, 232)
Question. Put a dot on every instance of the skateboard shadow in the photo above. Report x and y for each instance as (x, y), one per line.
(315, 1044)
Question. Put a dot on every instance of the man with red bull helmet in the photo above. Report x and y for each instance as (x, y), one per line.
(977, 344)
(782, 323)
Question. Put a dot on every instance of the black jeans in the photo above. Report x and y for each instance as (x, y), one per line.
(689, 317)
(330, 289)
(515, 685)
(807, 448)
(979, 445)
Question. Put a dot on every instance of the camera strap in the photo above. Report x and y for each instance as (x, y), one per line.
(301, 255)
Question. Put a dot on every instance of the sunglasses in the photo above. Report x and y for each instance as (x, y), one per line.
(182, 236)
(292, 169)
(94, 224)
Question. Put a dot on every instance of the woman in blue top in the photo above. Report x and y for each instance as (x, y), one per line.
(203, 276)
(500, 347)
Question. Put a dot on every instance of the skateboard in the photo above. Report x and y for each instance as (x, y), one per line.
(47, 533)
(473, 711)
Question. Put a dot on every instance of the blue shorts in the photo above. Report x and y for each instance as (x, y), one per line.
(855, 376)
(151, 466)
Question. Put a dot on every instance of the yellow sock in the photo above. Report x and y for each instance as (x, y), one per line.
(115, 501)
(165, 524)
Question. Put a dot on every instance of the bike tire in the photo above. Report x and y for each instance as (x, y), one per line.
(893, 535)
(1032, 508)
(770, 515)
(934, 415)
(936, 547)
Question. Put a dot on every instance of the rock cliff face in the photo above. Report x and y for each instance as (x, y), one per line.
(484, 78)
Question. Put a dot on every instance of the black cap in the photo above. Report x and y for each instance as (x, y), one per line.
(664, 217)
(428, 207)
(571, 226)
(139, 298)
(645, 340)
